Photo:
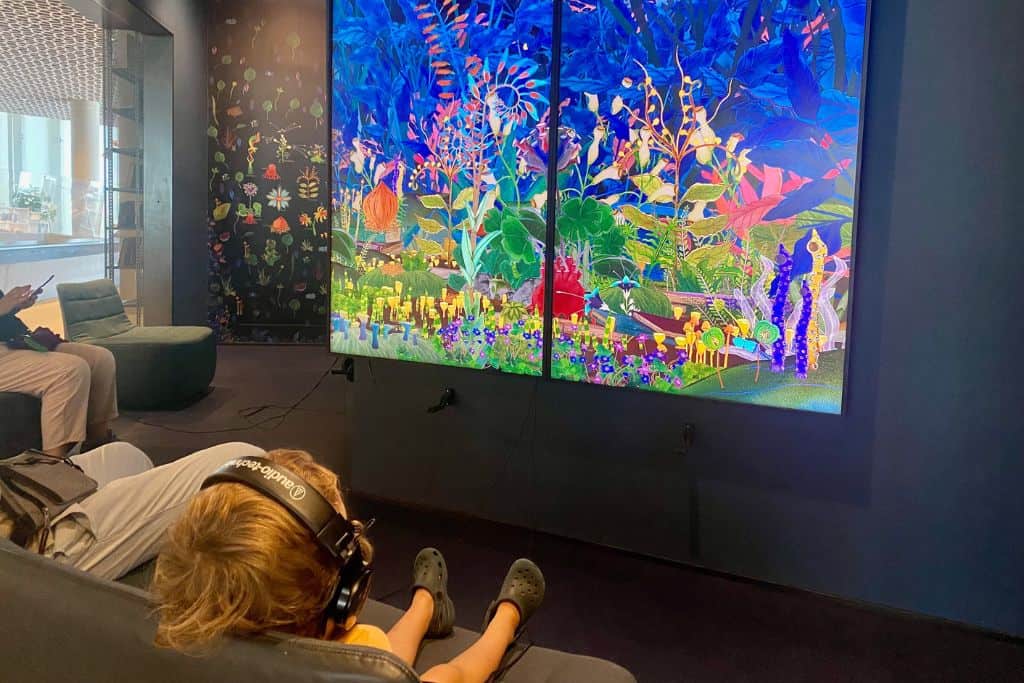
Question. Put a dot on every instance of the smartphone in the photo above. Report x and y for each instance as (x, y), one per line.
(39, 289)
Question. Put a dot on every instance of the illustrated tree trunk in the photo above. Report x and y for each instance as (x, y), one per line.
(744, 43)
(637, 7)
(645, 35)
(838, 29)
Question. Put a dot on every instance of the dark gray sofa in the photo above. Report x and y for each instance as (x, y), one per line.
(59, 624)
(19, 423)
(158, 367)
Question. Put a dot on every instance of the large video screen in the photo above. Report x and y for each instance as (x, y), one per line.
(702, 223)
(439, 127)
(705, 223)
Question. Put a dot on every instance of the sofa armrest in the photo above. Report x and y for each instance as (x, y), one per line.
(536, 666)
(61, 624)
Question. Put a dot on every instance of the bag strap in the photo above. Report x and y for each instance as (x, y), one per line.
(33, 456)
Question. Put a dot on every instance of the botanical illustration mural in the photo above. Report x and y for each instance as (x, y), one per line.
(705, 217)
(268, 171)
(440, 149)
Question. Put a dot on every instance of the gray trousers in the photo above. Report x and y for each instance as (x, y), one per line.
(122, 525)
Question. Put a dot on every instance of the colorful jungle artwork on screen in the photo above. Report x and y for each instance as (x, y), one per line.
(705, 223)
(703, 218)
(440, 112)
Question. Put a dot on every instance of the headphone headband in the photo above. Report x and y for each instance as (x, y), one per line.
(332, 531)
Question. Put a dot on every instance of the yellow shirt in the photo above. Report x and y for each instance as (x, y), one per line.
(366, 636)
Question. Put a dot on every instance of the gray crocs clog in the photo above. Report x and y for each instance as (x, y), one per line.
(430, 572)
(524, 588)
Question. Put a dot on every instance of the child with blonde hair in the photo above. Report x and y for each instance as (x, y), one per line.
(240, 562)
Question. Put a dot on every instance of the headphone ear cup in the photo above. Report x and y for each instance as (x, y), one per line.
(337, 606)
(361, 592)
(351, 598)
(351, 592)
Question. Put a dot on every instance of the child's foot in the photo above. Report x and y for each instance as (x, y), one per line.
(523, 588)
(430, 573)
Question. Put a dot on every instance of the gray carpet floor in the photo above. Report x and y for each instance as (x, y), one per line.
(664, 622)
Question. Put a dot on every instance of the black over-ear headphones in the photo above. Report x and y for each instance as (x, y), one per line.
(335, 534)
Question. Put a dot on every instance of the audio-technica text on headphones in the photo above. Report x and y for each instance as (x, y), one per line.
(332, 532)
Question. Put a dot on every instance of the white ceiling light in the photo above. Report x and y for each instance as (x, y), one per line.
(49, 54)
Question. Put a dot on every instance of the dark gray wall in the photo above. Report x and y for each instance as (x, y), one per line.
(185, 20)
(913, 498)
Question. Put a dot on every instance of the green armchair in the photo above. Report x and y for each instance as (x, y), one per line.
(157, 367)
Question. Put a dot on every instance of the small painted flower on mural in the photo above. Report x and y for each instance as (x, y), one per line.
(271, 172)
(320, 215)
(279, 198)
(317, 154)
(250, 190)
(270, 253)
(309, 184)
(280, 226)
(305, 221)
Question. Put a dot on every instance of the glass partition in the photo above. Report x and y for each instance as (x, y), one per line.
(123, 171)
(51, 158)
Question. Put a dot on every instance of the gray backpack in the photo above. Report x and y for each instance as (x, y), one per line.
(35, 488)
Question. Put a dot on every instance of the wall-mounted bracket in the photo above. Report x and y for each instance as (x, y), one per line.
(348, 368)
(447, 399)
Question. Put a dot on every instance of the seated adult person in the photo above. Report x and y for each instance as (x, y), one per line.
(77, 384)
(123, 523)
(259, 549)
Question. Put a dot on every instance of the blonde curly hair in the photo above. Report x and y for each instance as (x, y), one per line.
(238, 563)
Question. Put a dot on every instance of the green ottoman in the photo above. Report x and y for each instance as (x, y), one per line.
(157, 367)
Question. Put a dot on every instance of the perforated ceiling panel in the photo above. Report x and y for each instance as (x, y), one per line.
(49, 54)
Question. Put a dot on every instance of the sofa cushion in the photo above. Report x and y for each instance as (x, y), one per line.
(157, 367)
(538, 665)
(92, 310)
(162, 367)
(158, 336)
(60, 624)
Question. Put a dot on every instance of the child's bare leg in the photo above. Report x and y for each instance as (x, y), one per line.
(481, 658)
(407, 633)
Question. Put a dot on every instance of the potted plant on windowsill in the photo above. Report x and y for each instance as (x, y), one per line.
(40, 209)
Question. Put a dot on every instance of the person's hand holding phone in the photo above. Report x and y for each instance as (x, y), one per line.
(18, 299)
